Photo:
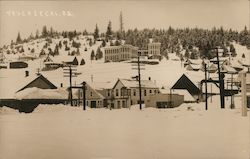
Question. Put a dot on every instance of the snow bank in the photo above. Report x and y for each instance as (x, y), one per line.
(45, 108)
(6, 110)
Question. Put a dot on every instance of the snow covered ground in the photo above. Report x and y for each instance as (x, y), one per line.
(188, 131)
(58, 131)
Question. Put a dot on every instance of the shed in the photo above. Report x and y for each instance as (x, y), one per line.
(18, 64)
(185, 83)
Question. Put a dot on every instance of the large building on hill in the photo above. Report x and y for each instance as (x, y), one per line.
(154, 48)
(120, 53)
(127, 52)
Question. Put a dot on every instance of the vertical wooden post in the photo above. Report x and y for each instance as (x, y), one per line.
(139, 78)
(84, 95)
(70, 85)
(206, 84)
(221, 82)
(243, 94)
(211, 87)
(232, 102)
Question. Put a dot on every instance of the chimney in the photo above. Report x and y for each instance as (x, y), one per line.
(26, 73)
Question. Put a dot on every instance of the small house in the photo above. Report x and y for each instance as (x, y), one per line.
(94, 99)
(126, 92)
(18, 64)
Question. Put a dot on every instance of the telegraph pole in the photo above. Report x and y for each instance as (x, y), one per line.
(84, 95)
(221, 82)
(139, 78)
(69, 73)
(206, 84)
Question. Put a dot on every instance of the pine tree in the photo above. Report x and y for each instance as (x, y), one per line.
(18, 39)
(51, 33)
(44, 31)
(37, 34)
(85, 32)
(109, 31)
(103, 43)
(90, 42)
(96, 32)
(32, 50)
(117, 43)
(60, 44)
(92, 56)
(77, 51)
(31, 37)
(232, 50)
(187, 54)
(82, 62)
(243, 56)
(56, 50)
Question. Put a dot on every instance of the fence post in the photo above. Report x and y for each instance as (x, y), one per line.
(243, 95)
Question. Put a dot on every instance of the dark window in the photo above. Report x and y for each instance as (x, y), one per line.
(117, 92)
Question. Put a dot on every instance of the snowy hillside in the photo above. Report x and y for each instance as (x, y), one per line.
(96, 72)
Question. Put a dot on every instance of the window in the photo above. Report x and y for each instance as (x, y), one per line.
(134, 92)
(155, 91)
(123, 104)
(91, 94)
(145, 92)
(108, 93)
(117, 92)
(118, 104)
(150, 91)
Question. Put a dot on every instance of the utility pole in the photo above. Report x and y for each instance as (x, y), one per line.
(139, 78)
(232, 95)
(243, 94)
(206, 84)
(221, 82)
(121, 24)
(84, 94)
(69, 73)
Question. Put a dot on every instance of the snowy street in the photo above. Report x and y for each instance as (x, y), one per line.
(187, 132)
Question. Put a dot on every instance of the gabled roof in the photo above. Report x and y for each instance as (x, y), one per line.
(48, 59)
(228, 69)
(185, 83)
(194, 67)
(38, 93)
(40, 77)
(90, 88)
(129, 83)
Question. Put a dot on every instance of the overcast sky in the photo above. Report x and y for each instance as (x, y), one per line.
(136, 14)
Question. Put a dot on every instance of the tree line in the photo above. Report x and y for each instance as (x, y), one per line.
(196, 42)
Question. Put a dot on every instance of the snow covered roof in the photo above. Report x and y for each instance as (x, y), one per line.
(134, 83)
(228, 69)
(193, 66)
(236, 64)
(37, 93)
